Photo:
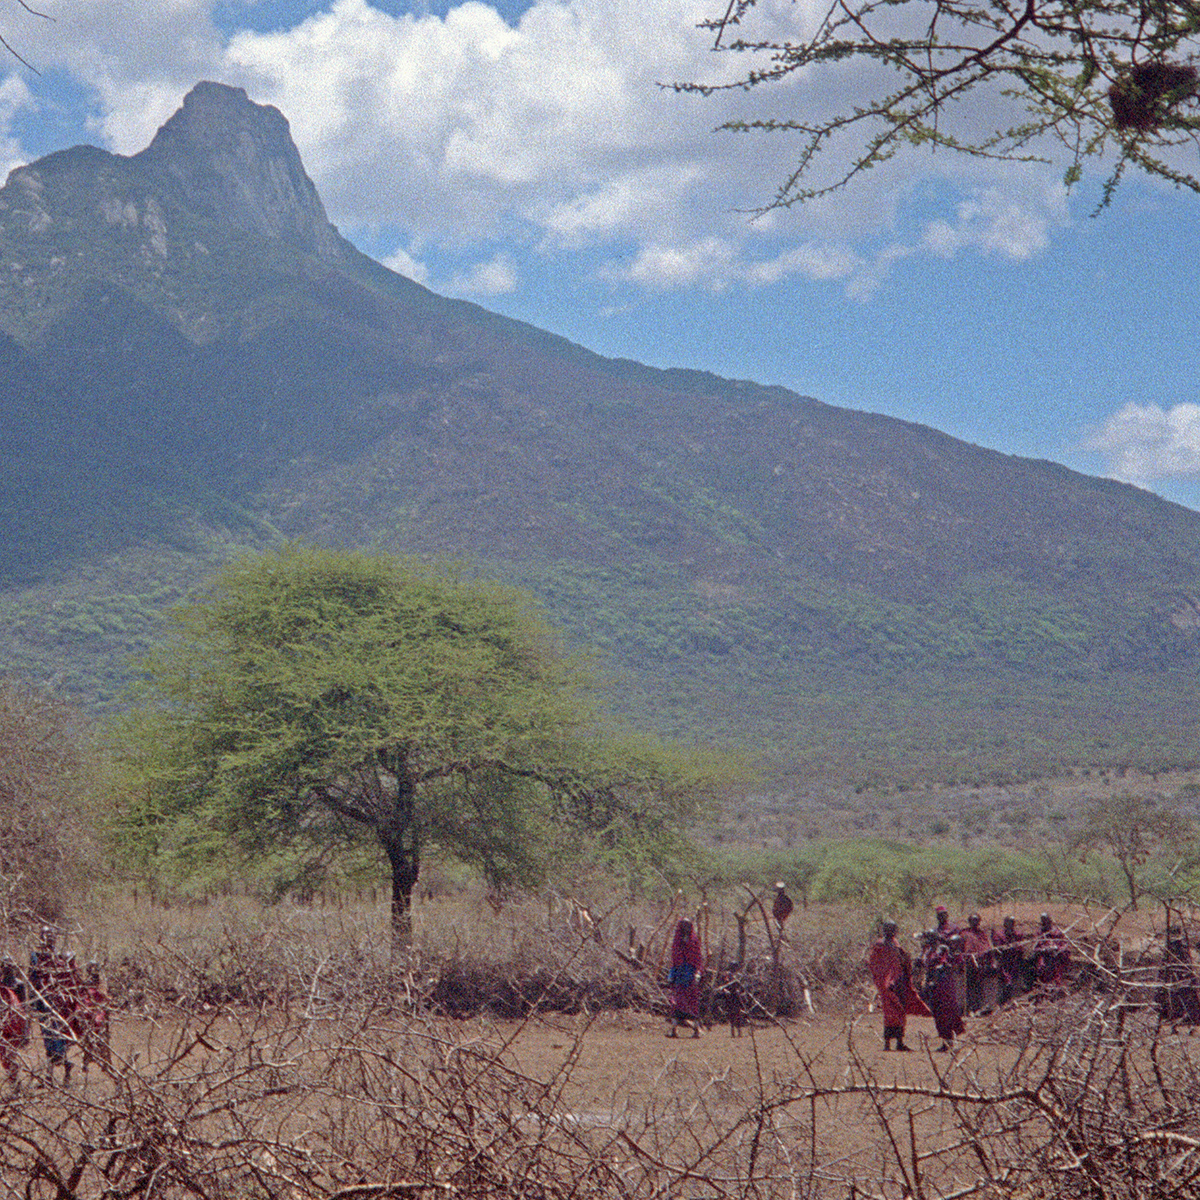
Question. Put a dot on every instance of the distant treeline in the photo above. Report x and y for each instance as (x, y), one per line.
(903, 877)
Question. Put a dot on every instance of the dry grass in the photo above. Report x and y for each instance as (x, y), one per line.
(1080, 1100)
(282, 1053)
(468, 956)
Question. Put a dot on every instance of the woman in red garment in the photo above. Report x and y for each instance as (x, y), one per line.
(687, 963)
(943, 969)
(891, 968)
(14, 1028)
(89, 1022)
(1010, 949)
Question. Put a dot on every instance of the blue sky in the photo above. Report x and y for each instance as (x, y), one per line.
(524, 156)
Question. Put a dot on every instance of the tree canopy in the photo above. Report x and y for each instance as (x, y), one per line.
(312, 696)
(1096, 77)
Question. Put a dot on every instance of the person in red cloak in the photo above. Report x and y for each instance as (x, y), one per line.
(1177, 999)
(1051, 958)
(14, 1028)
(945, 928)
(891, 969)
(90, 1022)
(1010, 951)
(687, 963)
(943, 968)
(980, 961)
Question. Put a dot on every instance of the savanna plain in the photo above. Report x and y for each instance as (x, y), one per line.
(518, 1049)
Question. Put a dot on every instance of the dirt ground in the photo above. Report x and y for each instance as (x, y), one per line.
(624, 1058)
(621, 1057)
(612, 1060)
(707, 1107)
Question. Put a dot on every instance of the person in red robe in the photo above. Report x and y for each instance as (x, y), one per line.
(945, 929)
(1010, 952)
(90, 1022)
(1051, 958)
(943, 967)
(980, 961)
(14, 1028)
(687, 964)
(891, 969)
(1177, 998)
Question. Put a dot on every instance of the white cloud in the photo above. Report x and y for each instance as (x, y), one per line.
(492, 278)
(139, 59)
(402, 261)
(867, 280)
(551, 134)
(708, 262)
(1000, 222)
(718, 263)
(14, 98)
(621, 203)
(1145, 442)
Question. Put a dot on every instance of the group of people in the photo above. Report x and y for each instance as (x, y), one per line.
(70, 1008)
(963, 970)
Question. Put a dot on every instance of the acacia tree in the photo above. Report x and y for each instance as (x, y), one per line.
(314, 695)
(1132, 829)
(1093, 75)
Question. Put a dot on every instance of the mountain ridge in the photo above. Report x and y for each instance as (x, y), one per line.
(191, 356)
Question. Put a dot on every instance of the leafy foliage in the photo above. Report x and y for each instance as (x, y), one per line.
(317, 696)
(1097, 76)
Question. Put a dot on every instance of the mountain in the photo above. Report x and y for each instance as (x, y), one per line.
(192, 360)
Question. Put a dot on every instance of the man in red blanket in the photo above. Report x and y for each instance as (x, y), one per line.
(89, 1022)
(891, 968)
(1051, 958)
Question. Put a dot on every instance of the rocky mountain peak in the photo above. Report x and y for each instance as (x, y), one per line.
(237, 160)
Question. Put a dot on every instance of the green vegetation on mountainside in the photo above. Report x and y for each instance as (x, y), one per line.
(986, 684)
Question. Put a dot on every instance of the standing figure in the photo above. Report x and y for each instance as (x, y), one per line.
(1176, 998)
(1010, 959)
(89, 1022)
(943, 969)
(891, 969)
(1051, 958)
(944, 929)
(735, 999)
(14, 1027)
(54, 983)
(782, 907)
(687, 962)
(980, 962)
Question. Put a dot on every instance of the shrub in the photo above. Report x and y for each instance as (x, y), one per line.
(46, 841)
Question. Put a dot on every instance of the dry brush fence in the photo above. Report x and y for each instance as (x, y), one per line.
(1082, 1099)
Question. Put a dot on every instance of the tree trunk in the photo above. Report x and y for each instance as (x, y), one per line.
(1131, 881)
(405, 870)
(401, 842)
